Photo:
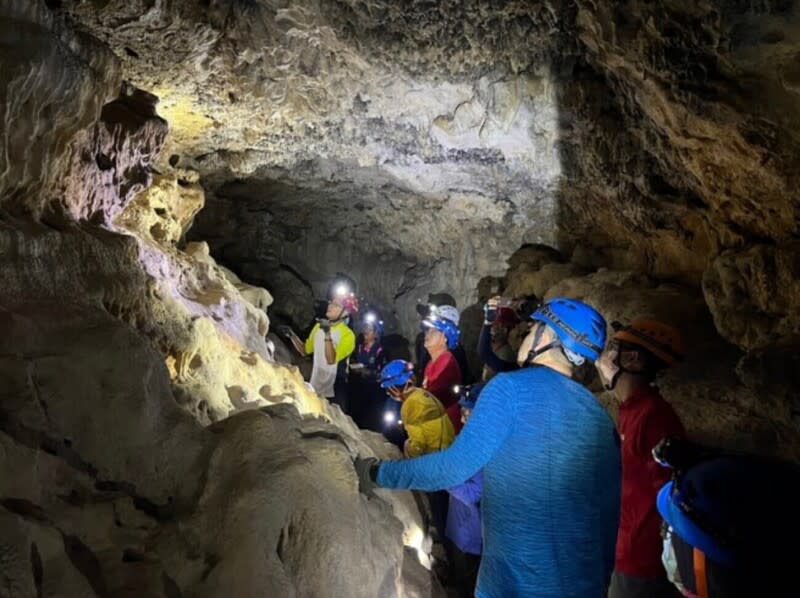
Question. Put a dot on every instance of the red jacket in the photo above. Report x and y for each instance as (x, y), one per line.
(644, 419)
(439, 378)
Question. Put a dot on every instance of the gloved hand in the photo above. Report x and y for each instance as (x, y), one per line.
(490, 310)
(325, 324)
(367, 470)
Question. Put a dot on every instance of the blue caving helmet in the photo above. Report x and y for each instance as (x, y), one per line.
(371, 319)
(580, 328)
(445, 326)
(732, 507)
(396, 373)
(740, 511)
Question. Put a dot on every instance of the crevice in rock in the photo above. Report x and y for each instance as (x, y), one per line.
(36, 569)
(38, 440)
(85, 561)
(171, 589)
(80, 555)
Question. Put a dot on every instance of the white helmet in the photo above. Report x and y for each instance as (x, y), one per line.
(448, 312)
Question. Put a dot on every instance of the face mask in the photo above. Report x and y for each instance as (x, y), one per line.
(671, 565)
(608, 367)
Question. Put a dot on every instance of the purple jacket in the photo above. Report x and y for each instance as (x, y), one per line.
(464, 515)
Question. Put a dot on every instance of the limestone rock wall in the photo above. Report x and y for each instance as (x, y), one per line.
(119, 344)
(739, 397)
(434, 139)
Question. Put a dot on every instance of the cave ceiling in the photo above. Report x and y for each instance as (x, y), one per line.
(435, 138)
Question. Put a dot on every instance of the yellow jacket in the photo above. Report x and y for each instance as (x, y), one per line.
(426, 423)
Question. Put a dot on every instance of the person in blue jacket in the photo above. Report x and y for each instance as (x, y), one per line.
(463, 529)
(550, 460)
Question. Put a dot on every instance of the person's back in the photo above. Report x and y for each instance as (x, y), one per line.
(560, 453)
(426, 423)
(550, 460)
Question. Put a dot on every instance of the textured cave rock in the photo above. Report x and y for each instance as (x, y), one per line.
(131, 496)
(644, 156)
(436, 138)
(120, 344)
(725, 396)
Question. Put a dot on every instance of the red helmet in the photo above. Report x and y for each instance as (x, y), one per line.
(349, 303)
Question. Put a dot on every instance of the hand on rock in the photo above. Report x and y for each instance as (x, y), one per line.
(367, 470)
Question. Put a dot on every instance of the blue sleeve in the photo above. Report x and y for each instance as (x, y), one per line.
(469, 492)
(487, 429)
(487, 355)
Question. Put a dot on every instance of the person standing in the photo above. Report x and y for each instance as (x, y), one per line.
(425, 421)
(442, 373)
(366, 396)
(331, 342)
(628, 367)
(550, 460)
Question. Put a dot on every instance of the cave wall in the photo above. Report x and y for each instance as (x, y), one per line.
(121, 347)
(414, 146)
(645, 136)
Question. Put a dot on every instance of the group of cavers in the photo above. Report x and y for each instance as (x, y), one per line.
(534, 491)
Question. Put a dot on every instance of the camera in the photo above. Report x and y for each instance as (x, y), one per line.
(324, 323)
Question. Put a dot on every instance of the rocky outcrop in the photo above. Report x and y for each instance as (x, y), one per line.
(753, 294)
(120, 345)
(436, 139)
(725, 396)
(55, 82)
(129, 495)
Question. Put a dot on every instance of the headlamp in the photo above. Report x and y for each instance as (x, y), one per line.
(370, 318)
(389, 417)
(341, 289)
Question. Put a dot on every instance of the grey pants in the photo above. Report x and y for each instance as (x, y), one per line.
(625, 586)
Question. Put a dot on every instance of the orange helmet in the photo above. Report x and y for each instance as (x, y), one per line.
(662, 340)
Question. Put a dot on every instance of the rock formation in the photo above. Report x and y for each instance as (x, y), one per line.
(119, 343)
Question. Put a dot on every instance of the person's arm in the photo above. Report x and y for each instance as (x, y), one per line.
(469, 492)
(330, 348)
(657, 425)
(298, 345)
(303, 348)
(488, 356)
(380, 359)
(486, 431)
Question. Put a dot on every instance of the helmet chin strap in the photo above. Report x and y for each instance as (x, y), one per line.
(621, 369)
(534, 353)
(614, 379)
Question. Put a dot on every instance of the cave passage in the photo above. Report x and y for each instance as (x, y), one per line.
(187, 396)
